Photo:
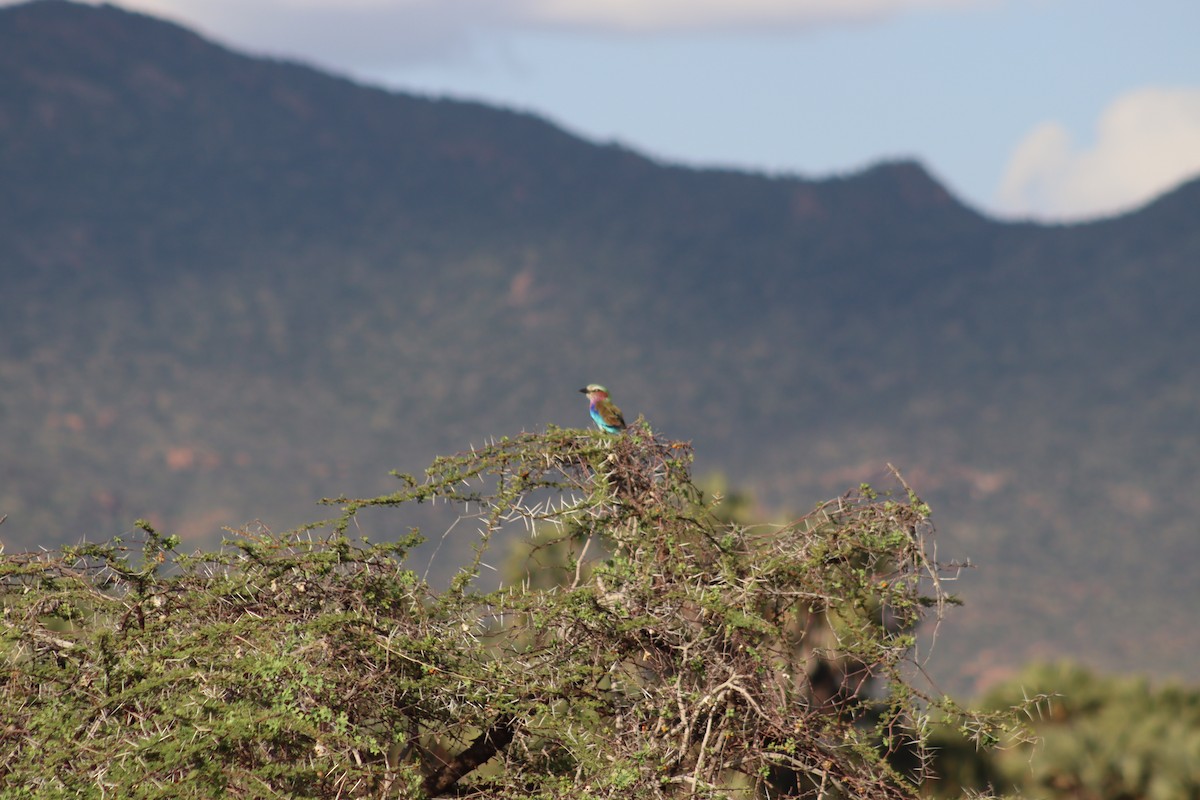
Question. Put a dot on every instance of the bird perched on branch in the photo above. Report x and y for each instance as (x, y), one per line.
(604, 412)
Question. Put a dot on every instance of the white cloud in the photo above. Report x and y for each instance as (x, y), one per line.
(1146, 142)
(373, 34)
(681, 15)
(618, 15)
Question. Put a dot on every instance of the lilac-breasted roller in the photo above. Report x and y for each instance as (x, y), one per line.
(604, 413)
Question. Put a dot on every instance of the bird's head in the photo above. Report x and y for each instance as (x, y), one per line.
(595, 391)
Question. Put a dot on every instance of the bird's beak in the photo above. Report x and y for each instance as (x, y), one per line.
(583, 390)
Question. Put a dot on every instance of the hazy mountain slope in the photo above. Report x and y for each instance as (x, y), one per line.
(233, 286)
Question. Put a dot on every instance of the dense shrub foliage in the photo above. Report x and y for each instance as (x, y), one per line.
(1093, 736)
(644, 646)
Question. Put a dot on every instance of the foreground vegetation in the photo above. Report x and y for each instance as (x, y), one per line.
(651, 647)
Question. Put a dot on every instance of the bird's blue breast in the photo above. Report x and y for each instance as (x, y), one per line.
(599, 420)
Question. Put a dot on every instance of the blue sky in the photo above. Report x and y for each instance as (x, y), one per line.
(1056, 109)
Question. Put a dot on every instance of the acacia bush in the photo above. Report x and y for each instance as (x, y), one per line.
(653, 650)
